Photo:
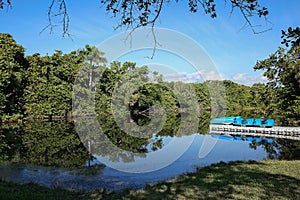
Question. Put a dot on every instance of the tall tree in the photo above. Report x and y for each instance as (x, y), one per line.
(283, 72)
(94, 58)
(12, 67)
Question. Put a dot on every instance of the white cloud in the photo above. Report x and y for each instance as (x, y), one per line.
(248, 79)
(196, 77)
(203, 75)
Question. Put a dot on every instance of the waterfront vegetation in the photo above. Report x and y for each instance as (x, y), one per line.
(41, 87)
(57, 143)
(236, 180)
(37, 86)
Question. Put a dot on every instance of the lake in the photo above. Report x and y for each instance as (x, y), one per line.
(53, 155)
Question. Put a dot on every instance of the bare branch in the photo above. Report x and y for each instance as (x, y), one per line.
(155, 42)
(249, 9)
(58, 10)
(6, 4)
(135, 23)
(134, 14)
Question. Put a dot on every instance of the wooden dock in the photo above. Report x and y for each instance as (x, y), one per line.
(275, 132)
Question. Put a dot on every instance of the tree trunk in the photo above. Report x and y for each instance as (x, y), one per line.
(90, 155)
(91, 77)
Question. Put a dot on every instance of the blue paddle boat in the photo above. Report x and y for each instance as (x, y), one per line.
(239, 121)
(258, 122)
(268, 123)
(248, 122)
(225, 120)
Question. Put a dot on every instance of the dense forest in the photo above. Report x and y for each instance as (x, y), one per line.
(43, 87)
(39, 86)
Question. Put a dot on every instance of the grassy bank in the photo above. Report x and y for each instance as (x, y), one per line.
(236, 180)
(12, 191)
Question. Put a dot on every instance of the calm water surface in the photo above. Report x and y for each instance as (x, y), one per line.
(50, 154)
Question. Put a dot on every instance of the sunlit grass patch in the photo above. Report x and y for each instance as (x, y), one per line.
(235, 180)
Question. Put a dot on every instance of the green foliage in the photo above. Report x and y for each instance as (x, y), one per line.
(42, 86)
(203, 96)
(50, 82)
(238, 98)
(115, 83)
(282, 149)
(291, 36)
(12, 67)
(52, 144)
(249, 102)
(137, 13)
(217, 97)
(10, 141)
(283, 72)
(42, 143)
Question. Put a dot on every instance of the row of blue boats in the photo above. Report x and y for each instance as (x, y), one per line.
(239, 121)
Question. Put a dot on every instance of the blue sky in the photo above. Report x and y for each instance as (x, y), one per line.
(233, 50)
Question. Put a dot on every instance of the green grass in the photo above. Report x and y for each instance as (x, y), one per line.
(236, 180)
(34, 192)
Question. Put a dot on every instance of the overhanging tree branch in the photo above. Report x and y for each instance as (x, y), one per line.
(133, 14)
(58, 10)
(3, 3)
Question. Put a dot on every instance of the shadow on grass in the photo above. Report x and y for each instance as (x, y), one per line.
(238, 180)
(30, 191)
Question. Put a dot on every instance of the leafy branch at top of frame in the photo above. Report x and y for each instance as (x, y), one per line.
(138, 13)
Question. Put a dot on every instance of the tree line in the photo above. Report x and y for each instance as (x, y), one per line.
(37, 86)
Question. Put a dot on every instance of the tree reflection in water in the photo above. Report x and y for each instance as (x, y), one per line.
(57, 143)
